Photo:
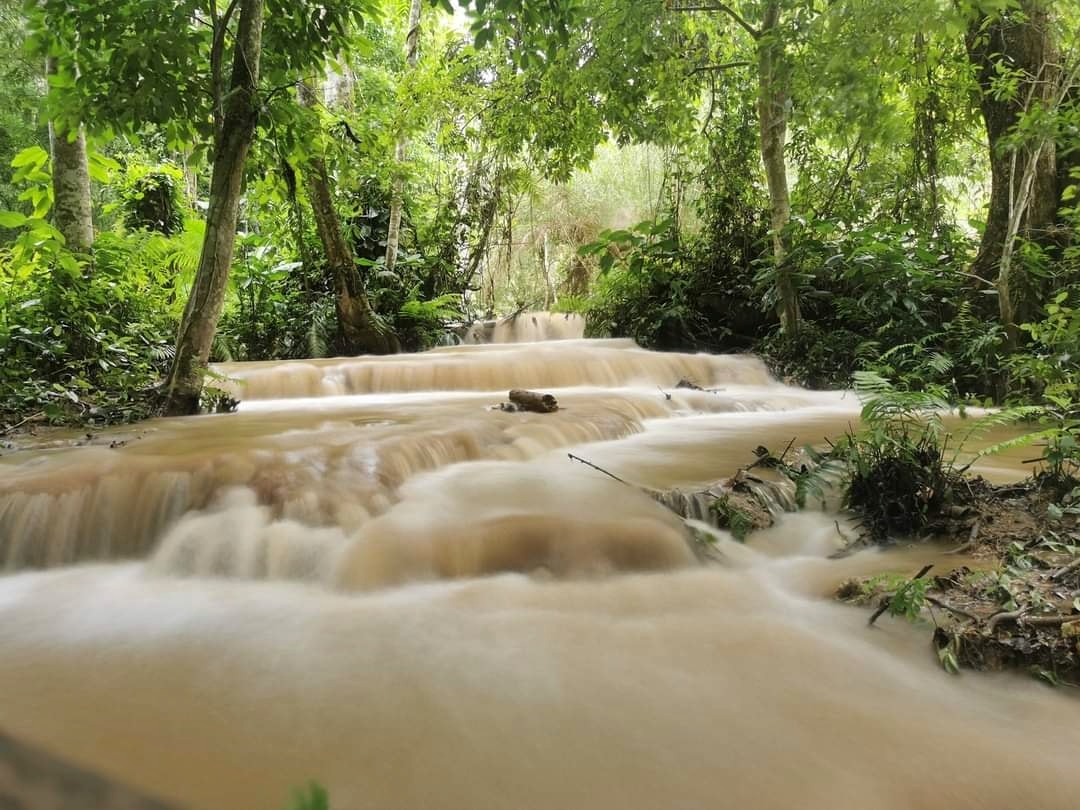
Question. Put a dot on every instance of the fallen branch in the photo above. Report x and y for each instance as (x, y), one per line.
(580, 460)
(1050, 621)
(1061, 573)
(933, 600)
(1021, 617)
(969, 542)
(34, 417)
(840, 532)
(998, 618)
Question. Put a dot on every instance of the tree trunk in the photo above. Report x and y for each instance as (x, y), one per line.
(1024, 43)
(71, 183)
(240, 110)
(191, 179)
(551, 297)
(362, 332)
(397, 197)
(773, 101)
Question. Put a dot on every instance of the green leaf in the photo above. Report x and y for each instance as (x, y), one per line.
(483, 37)
(31, 156)
(12, 219)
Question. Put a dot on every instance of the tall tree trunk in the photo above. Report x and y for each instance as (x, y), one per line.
(397, 197)
(362, 331)
(191, 178)
(773, 100)
(927, 115)
(72, 215)
(1023, 190)
(551, 297)
(240, 111)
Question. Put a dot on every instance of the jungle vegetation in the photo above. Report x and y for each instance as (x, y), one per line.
(843, 187)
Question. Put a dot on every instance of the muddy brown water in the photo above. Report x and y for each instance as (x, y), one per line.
(367, 578)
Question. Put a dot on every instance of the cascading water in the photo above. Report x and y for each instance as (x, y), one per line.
(372, 578)
(526, 327)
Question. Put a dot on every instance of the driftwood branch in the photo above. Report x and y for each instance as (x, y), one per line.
(34, 417)
(967, 544)
(533, 401)
(1008, 616)
(842, 533)
(580, 460)
(1061, 573)
(1021, 617)
(933, 600)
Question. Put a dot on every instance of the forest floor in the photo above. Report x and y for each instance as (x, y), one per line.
(1017, 604)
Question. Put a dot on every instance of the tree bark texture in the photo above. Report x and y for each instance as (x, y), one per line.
(773, 100)
(397, 196)
(361, 329)
(72, 214)
(1024, 44)
(232, 142)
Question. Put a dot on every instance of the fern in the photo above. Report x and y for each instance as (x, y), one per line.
(443, 308)
(163, 351)
(318, 334)
(883, 404)
(179, 253)
(1009, 444)
(1004, 417)
(870, 383)
(940, 363)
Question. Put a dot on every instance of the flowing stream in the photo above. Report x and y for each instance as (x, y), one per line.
(372, 578)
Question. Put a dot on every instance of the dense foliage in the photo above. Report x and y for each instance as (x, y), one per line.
(608, 158)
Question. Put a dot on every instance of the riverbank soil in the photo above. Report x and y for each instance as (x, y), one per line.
(1016, 604)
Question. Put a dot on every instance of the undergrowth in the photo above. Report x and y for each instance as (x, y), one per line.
(903, 468)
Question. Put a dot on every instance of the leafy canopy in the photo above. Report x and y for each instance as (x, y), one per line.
(124, 64)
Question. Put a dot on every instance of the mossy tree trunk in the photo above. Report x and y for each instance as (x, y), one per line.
(774, 98)
(1017, 45)
(234, 132)
(397, 196)
(71, 210)
(361, 330)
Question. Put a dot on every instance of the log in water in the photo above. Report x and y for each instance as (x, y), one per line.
(422, 603)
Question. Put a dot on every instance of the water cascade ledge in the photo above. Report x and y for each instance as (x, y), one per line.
(320, 593)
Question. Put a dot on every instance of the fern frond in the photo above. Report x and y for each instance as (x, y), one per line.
(318, 334)
(1001, 418)
(1009, 444)
(902, 406)
(940, 363)
(443, 308)
(870, 383)
(899, 348)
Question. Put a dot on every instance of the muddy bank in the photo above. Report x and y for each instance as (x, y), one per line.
(1016, 606)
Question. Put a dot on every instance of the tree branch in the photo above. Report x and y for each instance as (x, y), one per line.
(738, 18)
(220, 26)
(827, 207)
(721, 66)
